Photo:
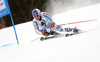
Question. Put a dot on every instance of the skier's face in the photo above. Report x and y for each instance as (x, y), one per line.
(37, 17)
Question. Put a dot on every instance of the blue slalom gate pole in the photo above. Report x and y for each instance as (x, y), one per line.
(14, 29)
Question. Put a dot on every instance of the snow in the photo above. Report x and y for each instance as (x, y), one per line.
(83, 47)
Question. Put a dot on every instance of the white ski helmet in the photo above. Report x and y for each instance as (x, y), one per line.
(36, 12)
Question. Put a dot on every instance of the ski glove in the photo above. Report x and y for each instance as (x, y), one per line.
(45, 33)
(52, 25)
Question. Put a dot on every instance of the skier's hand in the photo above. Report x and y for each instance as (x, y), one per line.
(45, 33)
(52, 25)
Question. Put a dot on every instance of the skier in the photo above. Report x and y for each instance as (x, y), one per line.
(44, 24)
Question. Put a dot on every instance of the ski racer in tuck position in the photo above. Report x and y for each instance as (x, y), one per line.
(44, 24)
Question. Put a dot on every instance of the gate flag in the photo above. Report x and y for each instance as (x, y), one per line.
(5, 10)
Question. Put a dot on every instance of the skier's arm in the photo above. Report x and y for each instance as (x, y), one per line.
(49, 20)
(36, 27)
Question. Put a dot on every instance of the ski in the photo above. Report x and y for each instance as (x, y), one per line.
(56, 36)
(50, 37)
(60, 35)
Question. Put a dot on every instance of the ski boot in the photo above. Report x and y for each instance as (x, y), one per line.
(75, 30)
(54, 33)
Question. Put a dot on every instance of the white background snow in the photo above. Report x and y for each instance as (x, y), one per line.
(83, 47)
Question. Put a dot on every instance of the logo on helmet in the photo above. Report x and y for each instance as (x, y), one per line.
(35, 13)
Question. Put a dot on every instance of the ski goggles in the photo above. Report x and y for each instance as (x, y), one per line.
(36, 16)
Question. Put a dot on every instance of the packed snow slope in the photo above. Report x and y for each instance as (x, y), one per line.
(83, 47)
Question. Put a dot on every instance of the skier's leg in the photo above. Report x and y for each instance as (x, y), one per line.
(51, 31)
(59, 28)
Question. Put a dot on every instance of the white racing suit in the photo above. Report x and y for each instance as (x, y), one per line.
(45, 22)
